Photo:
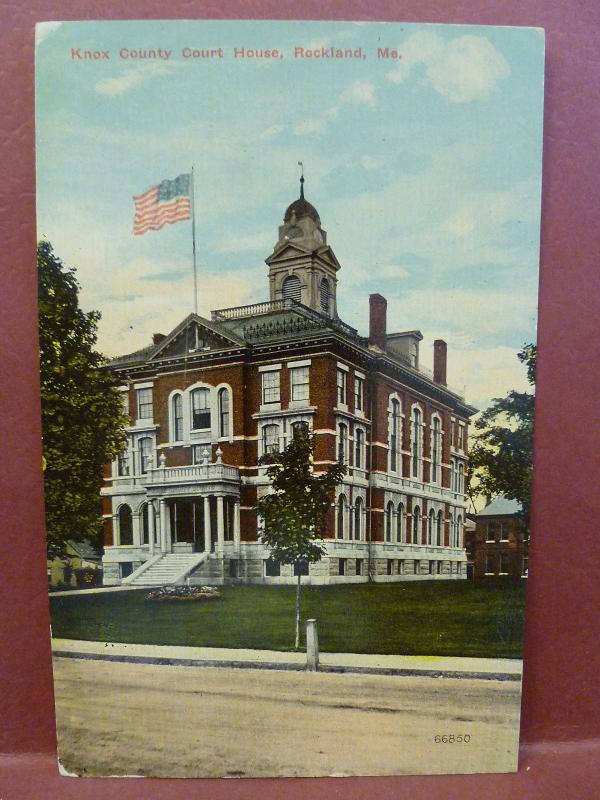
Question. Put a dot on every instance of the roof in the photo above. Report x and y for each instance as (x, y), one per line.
(301, 207)
(501, 506)
(84, 550)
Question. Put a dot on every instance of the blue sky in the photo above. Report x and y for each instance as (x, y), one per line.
(426, 173)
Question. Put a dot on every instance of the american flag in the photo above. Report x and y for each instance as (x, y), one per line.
(169, 201)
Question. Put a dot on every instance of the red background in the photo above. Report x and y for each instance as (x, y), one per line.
(561, 708)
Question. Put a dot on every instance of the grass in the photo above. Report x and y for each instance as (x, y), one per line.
(426, 618)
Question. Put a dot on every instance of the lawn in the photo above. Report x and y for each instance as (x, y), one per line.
(425, 618)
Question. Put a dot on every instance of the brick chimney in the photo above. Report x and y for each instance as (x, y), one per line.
(157, 338)
(440, 350)
(377, 321)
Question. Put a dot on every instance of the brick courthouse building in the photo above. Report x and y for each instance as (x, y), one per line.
(208, 400)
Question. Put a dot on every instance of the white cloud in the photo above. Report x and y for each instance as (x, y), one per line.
(271, 132)
(45, 29)
(114, 87)
(258, 242)
(360, 93)
(310, 127)
(462, 69)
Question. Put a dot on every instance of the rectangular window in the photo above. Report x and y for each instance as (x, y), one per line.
(490, 531)
(431, 567)
(341, 566)
(359, 566)
(270, 387)
(342, 443)
(417, 567)
(504, 531)
(358, 394)
(390, 566)
(301, 567)
(200, 409)
(489, 564)
(461, 437)
(270, 439)
(144, 403)
(401, 567)
(341, 387)
(272, 568)
(300, 383)
(123, 464)
(503, 564)
(439, 567)
(145, 446)
(125, 399)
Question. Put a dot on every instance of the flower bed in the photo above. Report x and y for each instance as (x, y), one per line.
(176, 593)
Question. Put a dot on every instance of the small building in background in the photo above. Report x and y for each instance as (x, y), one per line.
(501, 542)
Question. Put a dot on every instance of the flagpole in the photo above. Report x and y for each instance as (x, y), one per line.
(194, 245)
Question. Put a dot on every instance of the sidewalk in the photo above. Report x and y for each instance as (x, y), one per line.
(503, 669)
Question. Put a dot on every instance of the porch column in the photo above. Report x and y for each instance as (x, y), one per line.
(163, 515)
(236, 524)
(220, 524)
(151, 527)
(207, 531)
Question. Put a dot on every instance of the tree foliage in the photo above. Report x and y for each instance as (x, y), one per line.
(293, 513)
(501, 454)
(82, 412)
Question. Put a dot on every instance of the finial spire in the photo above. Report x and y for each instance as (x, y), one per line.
(301, 165)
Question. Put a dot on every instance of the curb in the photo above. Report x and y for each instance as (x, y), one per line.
(287, 666)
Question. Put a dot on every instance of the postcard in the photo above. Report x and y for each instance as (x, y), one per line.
(288, 282)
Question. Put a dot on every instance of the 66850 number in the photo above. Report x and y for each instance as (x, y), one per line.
(452, 738)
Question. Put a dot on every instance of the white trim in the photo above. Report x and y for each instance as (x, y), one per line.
(269, 367)
(296, 364)
(360, 375)
(342, 366)
(145, 385)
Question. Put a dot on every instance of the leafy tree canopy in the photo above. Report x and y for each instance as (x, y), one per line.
(82, 412)
(294, 511)
(501, 454)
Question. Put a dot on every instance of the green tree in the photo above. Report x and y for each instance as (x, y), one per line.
(82, 411)
(501, 454)
(294, 511)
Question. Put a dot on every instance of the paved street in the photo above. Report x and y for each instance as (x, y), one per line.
(142, 719)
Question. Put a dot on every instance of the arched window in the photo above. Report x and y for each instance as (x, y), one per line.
(461, 479)
(200, 400)
(145, 445)
(439, 529)
(416, 533)
(342, 443)
(416, 443)
(300, 429)
(431, 527)
(325, 295)
(125, 526)
(270, 436)
(341, 510)
(177, 418)
(436, 450)
(458, 531)
(224, 422)
(394, 434)
(389, 520)
(358, 505)
(145, 525)
(400, 523)
(291, 288)
(359, 443)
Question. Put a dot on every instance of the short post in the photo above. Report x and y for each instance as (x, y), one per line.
(312, 646)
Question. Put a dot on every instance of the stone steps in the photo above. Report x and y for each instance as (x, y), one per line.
(169, 569)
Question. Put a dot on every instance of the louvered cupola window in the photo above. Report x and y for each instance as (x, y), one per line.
(325, 295)
(291, 288)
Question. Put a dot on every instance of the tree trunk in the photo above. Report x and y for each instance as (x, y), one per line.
(297, 645)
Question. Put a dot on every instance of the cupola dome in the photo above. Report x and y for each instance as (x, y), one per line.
(301, 208)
